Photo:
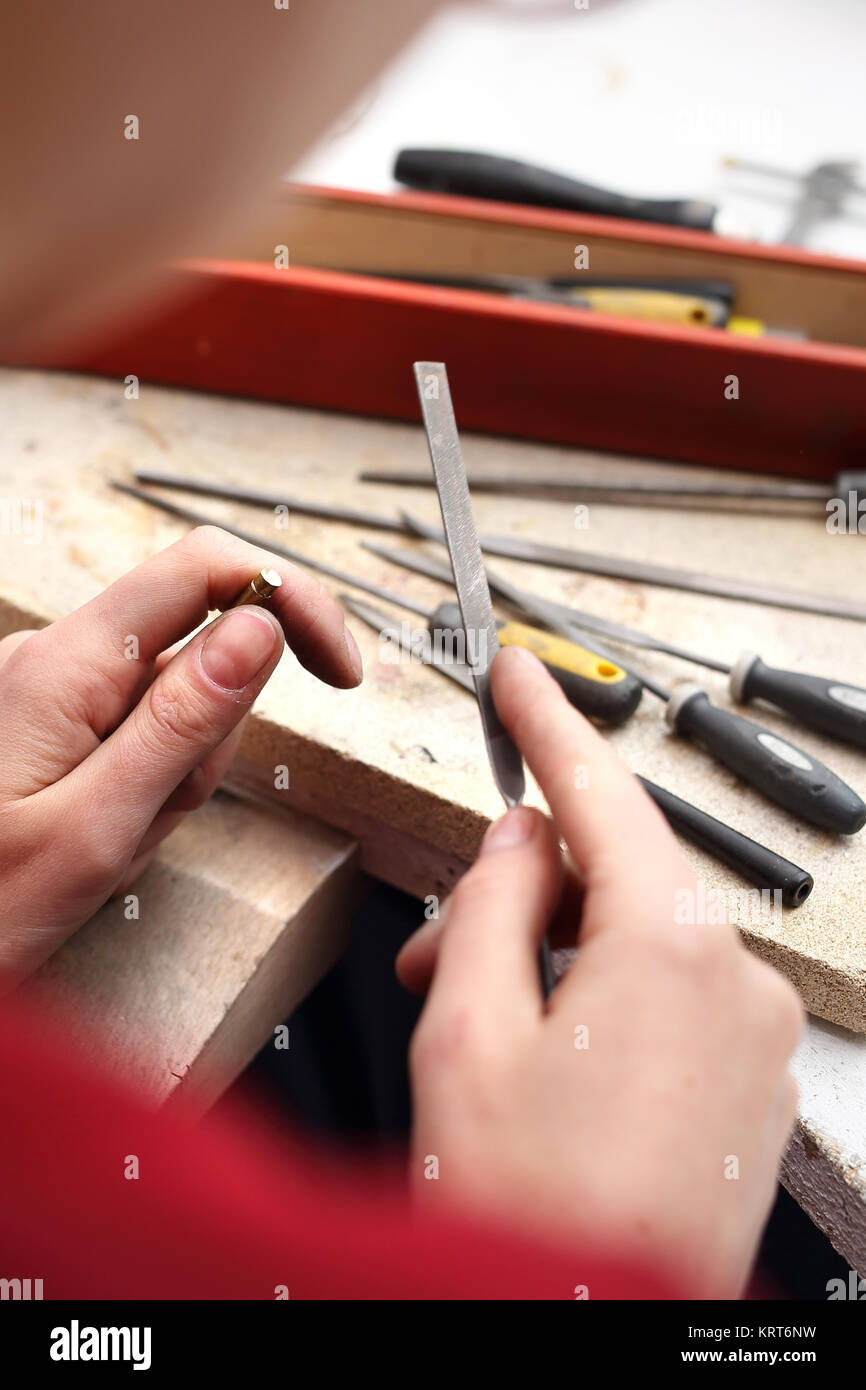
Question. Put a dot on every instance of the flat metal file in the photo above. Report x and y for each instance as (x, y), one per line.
(638, 492)
(271, 500)
(473, 594)
(470, 579)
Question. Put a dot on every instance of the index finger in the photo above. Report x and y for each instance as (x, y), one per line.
(168, 595)
(84, 672)
(610, 825)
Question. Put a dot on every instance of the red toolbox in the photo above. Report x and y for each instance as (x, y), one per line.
(317, 334)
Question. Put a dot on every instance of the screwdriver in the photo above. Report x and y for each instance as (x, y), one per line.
(665, 302)
(820, 702)
(754, 861)
(721, 292)
(478, 175)
(659, 306)
(598, 685)
(776, 768)
(594, 684)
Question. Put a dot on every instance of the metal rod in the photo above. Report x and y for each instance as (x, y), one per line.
(556, 616)
(642, 571)
(773, 171)
(611, 566)
(547, 609)
(261, 587)
(269, 499)
(668, 577)
(296, 556)
(639, 489)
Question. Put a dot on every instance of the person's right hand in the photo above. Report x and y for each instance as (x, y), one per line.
(647, 1105)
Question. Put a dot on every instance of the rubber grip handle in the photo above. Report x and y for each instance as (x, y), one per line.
(596, 686)
(831, 706)
(775, 767)
(611, 697)
(474, 175)
(703, 289)
(753, 861)
(608, 704)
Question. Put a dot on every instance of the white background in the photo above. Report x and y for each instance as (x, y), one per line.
(643, 96)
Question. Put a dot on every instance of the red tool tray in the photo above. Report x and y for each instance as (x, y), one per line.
(317, 334)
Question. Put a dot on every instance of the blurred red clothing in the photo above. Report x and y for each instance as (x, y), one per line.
(229, 1209)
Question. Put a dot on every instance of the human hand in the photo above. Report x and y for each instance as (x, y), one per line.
(108, 736)
(647, 1105)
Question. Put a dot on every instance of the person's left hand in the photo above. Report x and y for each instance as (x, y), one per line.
(107, 738)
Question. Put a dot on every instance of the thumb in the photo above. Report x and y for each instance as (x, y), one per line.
(416, 959)
(189, 710)
(484, 953)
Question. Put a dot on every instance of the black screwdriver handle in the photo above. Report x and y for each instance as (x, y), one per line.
(473, 175)
(601, 689)
(832, 706)
(775, 767)
(608, 704)
(752, 860)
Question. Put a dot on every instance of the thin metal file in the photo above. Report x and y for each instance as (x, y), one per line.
(467, 566)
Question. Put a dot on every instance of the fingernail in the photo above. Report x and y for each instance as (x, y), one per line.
(354, 655)
(425, 932)
(514, 828)
(238, 645)
(523, 656)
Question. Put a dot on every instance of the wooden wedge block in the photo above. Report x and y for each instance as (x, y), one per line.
(240, 914)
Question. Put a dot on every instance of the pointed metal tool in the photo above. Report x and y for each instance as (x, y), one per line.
(467, 567)
(473, 594)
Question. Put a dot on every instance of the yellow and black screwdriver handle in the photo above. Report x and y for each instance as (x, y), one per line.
(593, 684)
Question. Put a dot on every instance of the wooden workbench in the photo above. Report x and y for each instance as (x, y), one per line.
(397, 771)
